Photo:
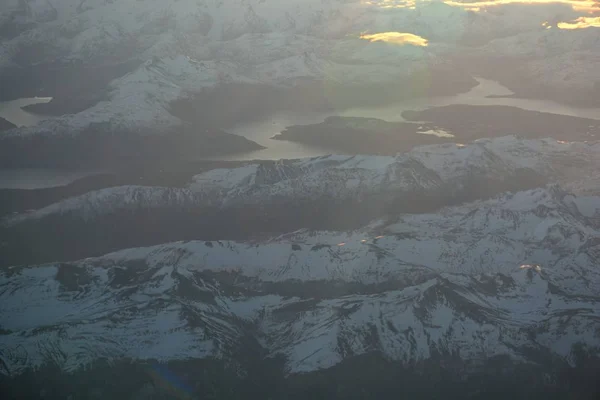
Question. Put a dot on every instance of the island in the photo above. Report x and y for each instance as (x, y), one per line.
(355, 135)
(470, 122)
(447, 124)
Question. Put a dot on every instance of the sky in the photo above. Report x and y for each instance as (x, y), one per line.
(585, 6)
(589, 11)
(580, 23)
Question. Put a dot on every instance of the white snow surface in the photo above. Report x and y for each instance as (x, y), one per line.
(429, 168)
(405, 286)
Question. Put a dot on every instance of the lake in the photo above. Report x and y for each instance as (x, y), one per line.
(262, 131)
(12, 111)
(31, 178)
(38, 178)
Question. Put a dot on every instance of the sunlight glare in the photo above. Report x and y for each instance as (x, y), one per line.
(580, 23)
(578, 5)
(398, 38)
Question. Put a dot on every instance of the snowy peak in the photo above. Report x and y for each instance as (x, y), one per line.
(268, 42)
(455, 170)
(446, 162)
(194, 45)
(472, 238)
(480, 279)
(141, 305)
(101, 202)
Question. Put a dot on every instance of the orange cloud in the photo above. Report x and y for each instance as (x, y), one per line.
(580, 23)
(476, 5)
(579, 5)
(396, 38)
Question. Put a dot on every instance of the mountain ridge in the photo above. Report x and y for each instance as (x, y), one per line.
(423, 168)
(494, 273)
(511, 275)
(181, 47)
(253, 201)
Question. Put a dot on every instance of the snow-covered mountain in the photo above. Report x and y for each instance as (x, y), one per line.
(548, 63)
(482, 249)
(514, 275)
(187, 45)
(500, 276)
(435, 169)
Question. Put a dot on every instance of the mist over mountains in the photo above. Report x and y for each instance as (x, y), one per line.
(452, 250)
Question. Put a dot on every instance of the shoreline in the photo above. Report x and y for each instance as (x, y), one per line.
(354, 135)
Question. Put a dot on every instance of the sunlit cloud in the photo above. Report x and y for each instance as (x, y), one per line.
(398, 38)
(580, 23)
(578, 5)
(475, 5)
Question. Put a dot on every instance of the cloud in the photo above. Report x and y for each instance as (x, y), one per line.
(476, 5)
(580, 23)
(398, 38)
(579, 5)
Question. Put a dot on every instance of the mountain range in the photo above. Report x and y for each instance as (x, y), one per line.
(466, 269)
(121, 70)
(514, 275)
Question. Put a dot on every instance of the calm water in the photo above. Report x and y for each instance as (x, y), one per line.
(30, 178)
(262, 131)
(36, 178)
(12, 111)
